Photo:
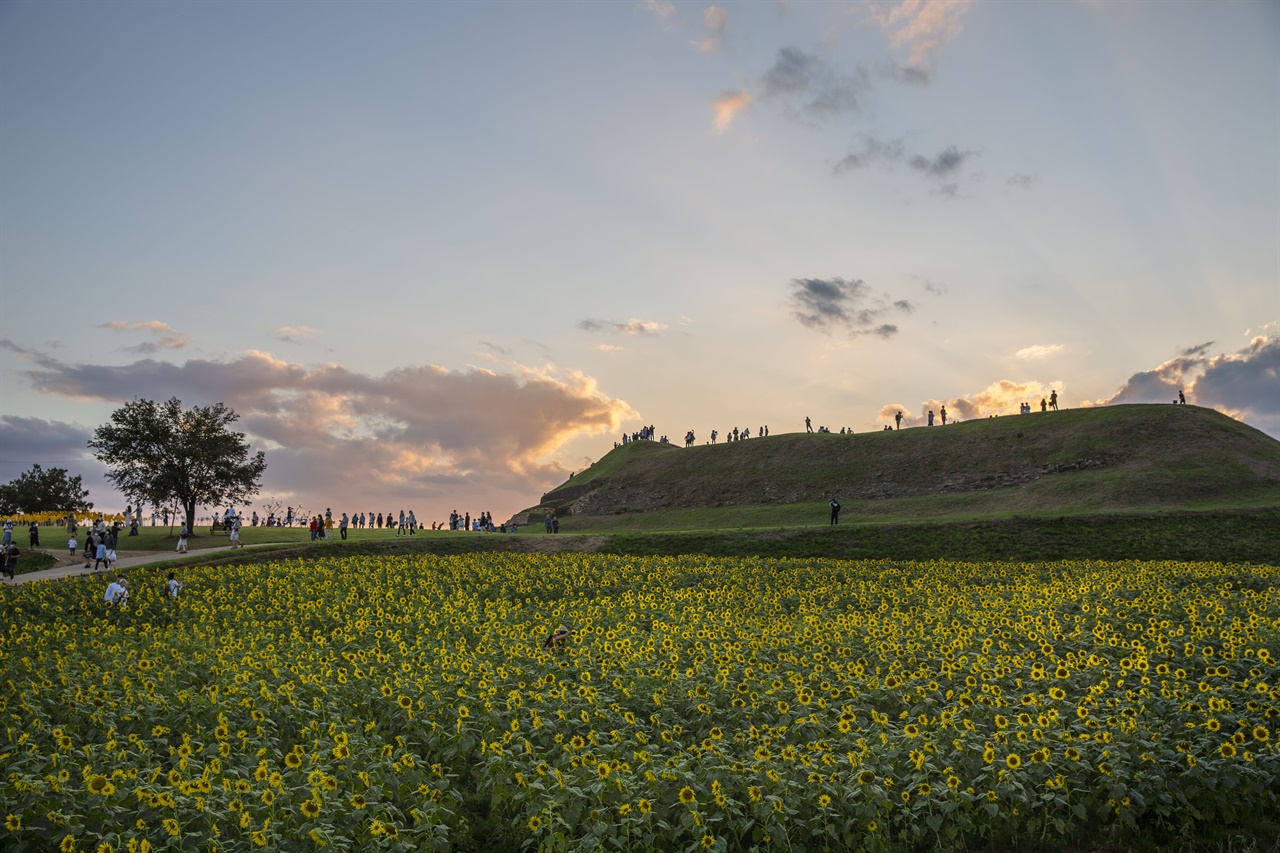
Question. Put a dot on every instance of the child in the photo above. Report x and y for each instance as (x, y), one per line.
(71, 545)
(172, 587)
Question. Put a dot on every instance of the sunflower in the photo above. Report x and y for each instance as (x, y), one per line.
(12, 823)
(310, 808)
(708, 841)
(1013, 761)
(644, 806)
(68, 844)
(404, 702)
(100, 785)
(866, 777)
(1227, 750)
(824, 801)
(687, 796)
(535, 823)
(292, 760)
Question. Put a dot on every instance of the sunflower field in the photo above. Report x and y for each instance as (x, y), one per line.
(411, 703)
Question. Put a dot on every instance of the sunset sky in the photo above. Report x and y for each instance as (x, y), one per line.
(439, 255)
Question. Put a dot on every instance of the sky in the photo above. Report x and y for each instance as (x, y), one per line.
(439, 255)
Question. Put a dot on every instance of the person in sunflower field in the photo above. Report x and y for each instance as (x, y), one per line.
(557, 639)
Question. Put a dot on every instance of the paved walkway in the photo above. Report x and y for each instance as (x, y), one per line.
(77, 568)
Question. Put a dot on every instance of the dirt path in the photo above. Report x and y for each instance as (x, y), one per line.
(69, 568)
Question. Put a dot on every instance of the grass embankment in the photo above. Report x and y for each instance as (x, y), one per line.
(1082, 462)
(1242, 536)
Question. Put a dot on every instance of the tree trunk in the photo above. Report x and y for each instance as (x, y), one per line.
(189, 507)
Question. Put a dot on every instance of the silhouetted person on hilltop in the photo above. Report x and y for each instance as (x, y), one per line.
(1053, 400)
(943, 413)
(1182, 398)
(1044, 405)
(835, 511)
(897, 419)
(808, 425)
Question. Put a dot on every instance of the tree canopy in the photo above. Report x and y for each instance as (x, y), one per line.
(164, 454)
(39, 490)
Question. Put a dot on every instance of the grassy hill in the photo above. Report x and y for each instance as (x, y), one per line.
(1082, 462)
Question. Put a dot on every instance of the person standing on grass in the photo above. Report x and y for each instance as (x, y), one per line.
(11, 560)
(342, 527)
(943, 413)
(1053, 400)
(835, 511)
(33, 534)
(8, 534)
(897, 419)
(235, 533)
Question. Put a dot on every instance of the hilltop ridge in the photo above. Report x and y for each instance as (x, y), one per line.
(1105, 459)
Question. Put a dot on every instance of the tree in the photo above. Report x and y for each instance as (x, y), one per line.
(164, 454)
(39, 490)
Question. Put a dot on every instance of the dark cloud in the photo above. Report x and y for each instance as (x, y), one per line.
(848, 305)
(810, 87)
(891, 153)
(911, 75)
(874, 151)
(1198, 349)
(51, 444)
(942, 165)
(413, 432)
(1244, 384)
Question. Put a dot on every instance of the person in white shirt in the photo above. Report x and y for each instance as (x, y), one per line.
(172, 587)
(117, 591)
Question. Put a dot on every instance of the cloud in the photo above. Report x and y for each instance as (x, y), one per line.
(849, 305)
(1022, 181)
(415, 433)
(888, 415)
(727, 107)
(1038, 351)
(1198, 349)
(53, 444)
(715, 18)
(1002, 397)
(609, 348)
(662, 10)
(943, 165)
(937, 288)
(891, 153)
(921, 28)
(630, 327)
(166, 337)
(810, 87)
(874, 151)
(1244, 384)
(295, 334)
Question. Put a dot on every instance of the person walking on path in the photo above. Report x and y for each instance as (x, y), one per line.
(182, 539)
(835, 511)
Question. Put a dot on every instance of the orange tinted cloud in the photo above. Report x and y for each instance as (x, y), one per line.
(727, 107)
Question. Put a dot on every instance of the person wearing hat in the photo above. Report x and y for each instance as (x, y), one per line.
(557, 640)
